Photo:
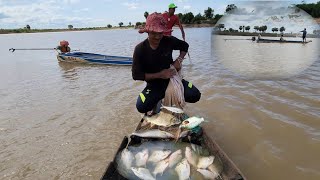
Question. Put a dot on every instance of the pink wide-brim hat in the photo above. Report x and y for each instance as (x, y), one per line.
(155, 23)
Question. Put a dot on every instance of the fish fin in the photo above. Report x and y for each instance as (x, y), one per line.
(129, 140)
(177, 136)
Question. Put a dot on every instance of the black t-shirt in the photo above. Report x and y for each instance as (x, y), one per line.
(147, 60)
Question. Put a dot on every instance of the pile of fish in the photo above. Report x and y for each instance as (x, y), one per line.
(168, 123)
(167, 160)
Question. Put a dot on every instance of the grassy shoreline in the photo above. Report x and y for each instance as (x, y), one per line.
(16, 31)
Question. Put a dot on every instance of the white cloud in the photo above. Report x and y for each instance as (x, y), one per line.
(81, 10)
(131, 5)
(187, 7)
(41, 15)
(182, 1)
(70, 1)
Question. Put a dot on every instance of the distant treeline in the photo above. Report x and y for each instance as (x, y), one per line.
(311, 8)
(207, 17)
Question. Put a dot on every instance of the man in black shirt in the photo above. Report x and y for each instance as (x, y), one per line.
(151, 63)
(304, 34)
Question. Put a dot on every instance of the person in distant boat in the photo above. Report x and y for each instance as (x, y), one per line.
(64, 47)
(304, 34)
(153, 63)
(281, 38)
(173, 20)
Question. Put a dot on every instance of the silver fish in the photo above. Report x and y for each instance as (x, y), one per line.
(175, 158)
(142, 173)
(162, 119)
(207, 174)
(191, 156)
(142, 157)
(126, 158)
(191, 122)
(153, 133)
(173, 109)
(160, 167)
(183, 169)
(196, 148)
(215, 168)
(204, 162)
(159, 155)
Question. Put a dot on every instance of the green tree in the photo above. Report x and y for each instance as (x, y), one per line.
(221, 26)
(28, 27)
(138, 24)
(129, 23)
(208, 14)
(70, 26)
(230, 7)
(217, 17)
(231, 30)
(263, 28)
(240, 28)
(120, 24)
(274, 29)
(282, 29)
(247, 28)
(312, 8)
(256, 28)
(197, 19)
(109, 26)
(187, 18)
(146, 14)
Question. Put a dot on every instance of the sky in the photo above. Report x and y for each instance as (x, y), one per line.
(95, 13)
(272, 14)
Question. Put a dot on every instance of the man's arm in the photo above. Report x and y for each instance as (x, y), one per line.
(181, 28)
(183, 47)
(137, 70)
(178, 62)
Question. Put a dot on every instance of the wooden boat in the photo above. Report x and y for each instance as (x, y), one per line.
(278, 41)
(81, 57)
(230, 170)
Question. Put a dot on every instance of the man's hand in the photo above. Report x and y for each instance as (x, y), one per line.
(167, 73)
(178, 63)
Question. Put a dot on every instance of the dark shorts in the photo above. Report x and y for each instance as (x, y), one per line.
(155, 92)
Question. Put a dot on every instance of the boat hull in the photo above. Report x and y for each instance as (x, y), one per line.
(230, 170)
(91, 58)
(278, 41)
